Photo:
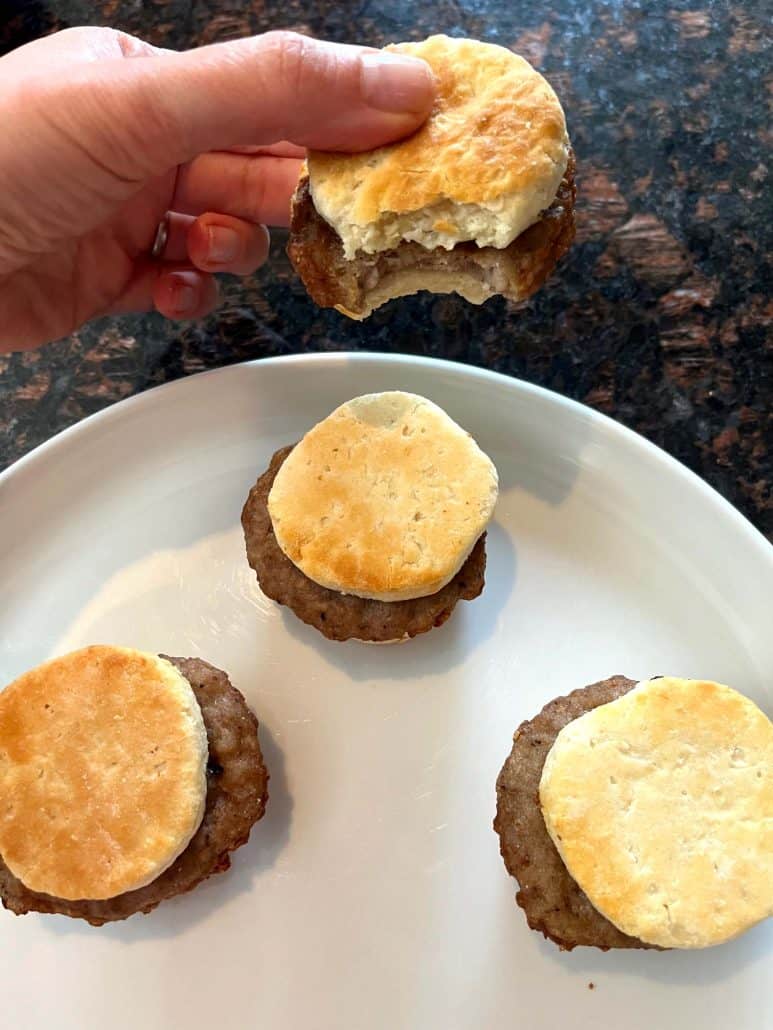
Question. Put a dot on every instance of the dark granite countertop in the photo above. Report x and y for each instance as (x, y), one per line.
(661, 314)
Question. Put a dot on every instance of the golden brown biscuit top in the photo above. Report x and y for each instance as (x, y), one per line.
(103, 758)
(385, 498)
(661, 806)
(483, 166)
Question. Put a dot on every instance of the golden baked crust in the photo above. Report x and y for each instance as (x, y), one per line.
(661, 807)
(483, 166)
(383, 499)
(343, 616)
(551, 900)
(103, 758)
(237, 794)
(358, 287)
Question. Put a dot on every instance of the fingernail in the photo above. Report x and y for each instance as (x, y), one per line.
(184, 297)
(396, 83)
(224, 244)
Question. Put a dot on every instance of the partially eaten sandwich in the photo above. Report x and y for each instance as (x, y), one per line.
(641, 815)
(479, 201)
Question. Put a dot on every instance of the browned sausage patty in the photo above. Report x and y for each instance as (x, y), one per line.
(237, 792)
(344, 616)
(551, 899)
(516, 271)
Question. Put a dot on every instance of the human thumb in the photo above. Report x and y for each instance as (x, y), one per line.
(259, 90)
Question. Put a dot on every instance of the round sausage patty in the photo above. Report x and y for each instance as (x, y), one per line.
(552, 901)
(344, 616)
(516, 271)
(237, 792)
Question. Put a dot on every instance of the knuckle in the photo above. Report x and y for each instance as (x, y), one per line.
(254, 188)
(87, 34)
(291, 59)
(284, 43)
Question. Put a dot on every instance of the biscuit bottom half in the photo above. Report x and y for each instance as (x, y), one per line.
(237, 792)
(358, 286)
(553, 902)
(345, 616)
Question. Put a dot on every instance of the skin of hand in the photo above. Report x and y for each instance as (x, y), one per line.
(104, 133)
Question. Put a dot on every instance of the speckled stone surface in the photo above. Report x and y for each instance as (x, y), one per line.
(659, 317)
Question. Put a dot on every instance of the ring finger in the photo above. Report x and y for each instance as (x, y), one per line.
(175, 246)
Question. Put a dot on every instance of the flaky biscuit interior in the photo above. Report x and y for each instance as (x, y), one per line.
(484, 165)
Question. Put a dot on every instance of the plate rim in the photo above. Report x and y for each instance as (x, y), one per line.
(647, 451)
(506, 937)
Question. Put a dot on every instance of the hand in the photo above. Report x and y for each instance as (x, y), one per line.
(102, 134)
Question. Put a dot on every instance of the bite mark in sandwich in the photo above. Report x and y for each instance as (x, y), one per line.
(479, 201)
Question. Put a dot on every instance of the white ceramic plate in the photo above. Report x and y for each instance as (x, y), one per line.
(372, 895)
